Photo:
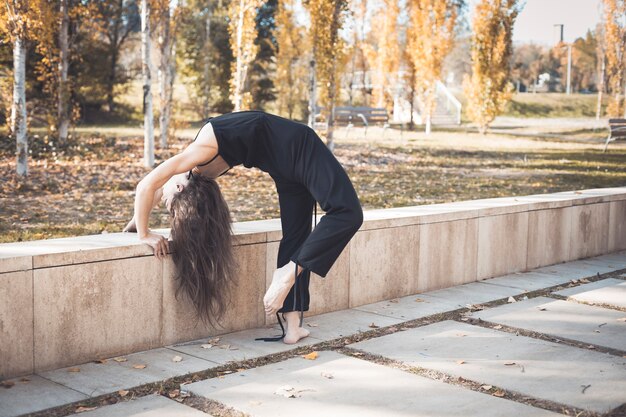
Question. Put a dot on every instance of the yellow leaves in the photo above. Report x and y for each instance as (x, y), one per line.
(488, 89)
(311, 356)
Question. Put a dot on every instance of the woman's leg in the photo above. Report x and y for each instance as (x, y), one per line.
(296, 208)
(327, 182)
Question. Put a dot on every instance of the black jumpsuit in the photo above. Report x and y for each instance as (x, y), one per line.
(305, 171)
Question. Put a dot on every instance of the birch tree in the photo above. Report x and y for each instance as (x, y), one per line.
(167, 65)
(243, 32)
(63, 103)
(17, 23)
(148, 144)
(430, 37)
(327, 17)
(488, 89)
(614, 42)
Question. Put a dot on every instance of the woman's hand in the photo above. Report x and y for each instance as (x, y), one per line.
(157, 242)
(130, 227)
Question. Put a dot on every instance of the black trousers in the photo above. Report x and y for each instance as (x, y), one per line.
(314, 175)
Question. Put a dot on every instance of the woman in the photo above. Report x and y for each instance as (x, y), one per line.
(304, 171)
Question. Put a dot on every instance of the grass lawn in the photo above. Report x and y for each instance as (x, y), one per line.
(88, 187)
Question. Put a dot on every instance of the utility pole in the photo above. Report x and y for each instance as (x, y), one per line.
(568, 88)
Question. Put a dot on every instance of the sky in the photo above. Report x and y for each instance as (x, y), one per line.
(536, 21)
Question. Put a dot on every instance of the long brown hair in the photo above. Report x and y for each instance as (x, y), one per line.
(201, 233)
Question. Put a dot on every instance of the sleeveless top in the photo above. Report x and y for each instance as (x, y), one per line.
(238, 136)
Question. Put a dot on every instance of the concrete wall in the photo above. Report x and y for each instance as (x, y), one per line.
(73, 300)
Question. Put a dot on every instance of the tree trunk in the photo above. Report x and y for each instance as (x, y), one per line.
(165, 80)
(600, 90)
(312, 92)
(148, 138)
(207, 61)
(238, 93)
(63, 114)
(18, 108)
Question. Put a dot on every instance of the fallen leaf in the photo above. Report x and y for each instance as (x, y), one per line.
(141, 366)
(223, 346)
(233, 348)
(419, 300)
(511, 300)
(312, 324)
(591, 346)
(173, 393)
(460, 362)
(101, 361)
(464, 319)
(7, 384)
(120, 359)
(393, 301)
(486, 387)
(499, 393)
(24, 380)
(123, 392)
(287, 392)
(81, 409)
(311, 356)
(327, 375)
(497, 327)
(373, 326)
(73, 370)
(177, 358)
(214, 341)
(206, 346)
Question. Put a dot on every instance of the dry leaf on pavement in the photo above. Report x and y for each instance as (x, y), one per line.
(311, 356)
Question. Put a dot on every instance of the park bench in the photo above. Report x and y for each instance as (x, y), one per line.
(360, 116)
(617, 130)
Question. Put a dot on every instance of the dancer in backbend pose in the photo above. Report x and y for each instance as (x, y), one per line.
(304, 171)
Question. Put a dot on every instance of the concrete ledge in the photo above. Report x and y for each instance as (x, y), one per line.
(72, 300)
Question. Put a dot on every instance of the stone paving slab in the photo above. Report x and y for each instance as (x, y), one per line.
(473, 293)
(616, 259)
(529, 281)
(541, 369)
(589, 324)
(575, 270)
(96, 379)
(35, 395)
(147, 406)
(610, 291)
(239, 346)
(410, 307)
(337, 385)
(329, 326)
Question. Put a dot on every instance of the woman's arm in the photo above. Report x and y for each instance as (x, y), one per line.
(194, 154)
(131, 227)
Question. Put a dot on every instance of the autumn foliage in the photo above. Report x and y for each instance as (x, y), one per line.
(430, 37)
(489, 89)
(614, 49)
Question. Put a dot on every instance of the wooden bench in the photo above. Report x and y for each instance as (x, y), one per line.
(617, 130)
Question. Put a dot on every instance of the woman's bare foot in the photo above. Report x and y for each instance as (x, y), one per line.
(294, 331)
(282, 281)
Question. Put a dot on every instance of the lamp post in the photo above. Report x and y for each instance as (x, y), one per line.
(568, 89)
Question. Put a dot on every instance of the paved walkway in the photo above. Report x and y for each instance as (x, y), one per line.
(547, 342)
